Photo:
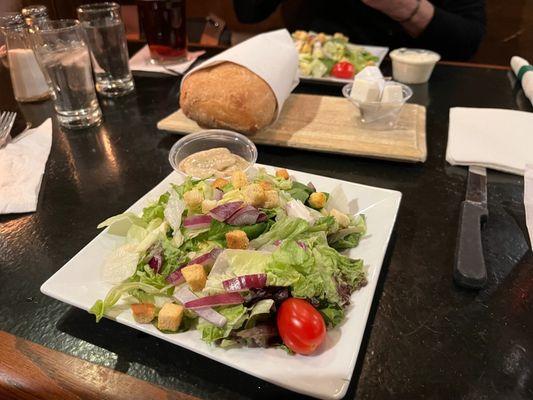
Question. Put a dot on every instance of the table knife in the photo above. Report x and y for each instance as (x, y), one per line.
(470, 270)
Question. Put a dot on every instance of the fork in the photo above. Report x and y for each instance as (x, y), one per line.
(7, 119)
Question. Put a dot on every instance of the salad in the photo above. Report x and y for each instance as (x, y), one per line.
(249, 261)
(323, 55)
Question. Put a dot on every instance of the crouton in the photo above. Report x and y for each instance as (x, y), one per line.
(265, 185)
(282, 173)
(219, 183)
(143, 313)
(317, 200)
(342, 219)
(195, 276)
(169, 317)
(237, 240)
(239, 179)
(208, 205)
(193, 198)
(271, 199)
(254, 194)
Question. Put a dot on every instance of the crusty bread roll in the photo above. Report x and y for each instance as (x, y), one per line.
(228, 96)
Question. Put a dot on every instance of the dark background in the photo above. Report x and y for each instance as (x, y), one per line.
(509, 31)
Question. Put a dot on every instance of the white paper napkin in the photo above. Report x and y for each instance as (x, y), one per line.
(22, 164)
(524, 71)
(528, 200)
(141, 62)
(492, 138)
(272, 56)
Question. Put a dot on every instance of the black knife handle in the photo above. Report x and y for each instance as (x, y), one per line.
(470, 270)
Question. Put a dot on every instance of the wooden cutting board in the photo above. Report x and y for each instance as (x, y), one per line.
(330, 124)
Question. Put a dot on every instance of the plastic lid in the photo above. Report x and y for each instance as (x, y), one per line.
(414, 56)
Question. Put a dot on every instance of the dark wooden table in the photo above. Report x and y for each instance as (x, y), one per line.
(425, 337)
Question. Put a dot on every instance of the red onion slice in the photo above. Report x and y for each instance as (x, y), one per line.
(247, 215)
(156, 262)
(184, 295)
(245, 282)
(224, 299)
(207, 259)
(262, 217)
(224, 211)
(218, 194)
(197, 222)
(176, 278)
(311, 186)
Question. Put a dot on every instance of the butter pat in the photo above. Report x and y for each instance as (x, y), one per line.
(370, 73)
(365, 90)
(392, 94)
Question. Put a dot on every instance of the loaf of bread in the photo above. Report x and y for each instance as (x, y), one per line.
(228, 96)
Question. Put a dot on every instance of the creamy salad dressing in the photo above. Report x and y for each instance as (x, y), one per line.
(217, 162)
(413, 65)
(418, 56)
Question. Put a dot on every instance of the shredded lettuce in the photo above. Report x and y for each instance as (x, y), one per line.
(286, 228)
(100, 307)
(156, 209)
(236, 316)
(120, 224)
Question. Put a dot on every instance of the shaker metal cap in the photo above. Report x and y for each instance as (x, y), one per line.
(35, 11)
(11, 20)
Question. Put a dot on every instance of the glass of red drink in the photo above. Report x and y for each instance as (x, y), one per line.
(165, 28)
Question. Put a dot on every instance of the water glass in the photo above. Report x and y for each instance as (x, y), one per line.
(107, 40)
(164, 25)
(63, 55)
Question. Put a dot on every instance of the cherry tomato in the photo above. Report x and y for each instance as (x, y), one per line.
(300, 326)
(343, 70)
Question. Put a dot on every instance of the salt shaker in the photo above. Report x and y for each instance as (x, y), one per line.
(29, 83)
(34, 16)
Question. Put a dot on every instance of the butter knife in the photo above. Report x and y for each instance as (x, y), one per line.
(470, 270)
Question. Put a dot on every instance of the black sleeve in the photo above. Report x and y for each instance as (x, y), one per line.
(252, 11)
(456, 29)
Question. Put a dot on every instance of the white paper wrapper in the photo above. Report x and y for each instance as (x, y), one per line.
(528, 199)
(527, 78)
(141, 62)
(272, 56)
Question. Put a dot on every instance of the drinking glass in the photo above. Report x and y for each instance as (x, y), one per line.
(164, 25)
(63, 55)
(107, 41)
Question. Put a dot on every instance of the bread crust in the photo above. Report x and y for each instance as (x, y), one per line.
(228, 96)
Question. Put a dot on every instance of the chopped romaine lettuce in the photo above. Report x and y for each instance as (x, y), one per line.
(236, 316)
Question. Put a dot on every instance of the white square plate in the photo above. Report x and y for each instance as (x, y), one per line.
(378, 51)
(323, 375)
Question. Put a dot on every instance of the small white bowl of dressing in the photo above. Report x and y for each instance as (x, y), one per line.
(413, 65)
(213, 153)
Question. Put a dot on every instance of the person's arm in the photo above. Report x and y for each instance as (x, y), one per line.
(253, 11)
(455, 30)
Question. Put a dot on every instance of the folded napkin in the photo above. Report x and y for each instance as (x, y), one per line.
(492, 138)
(22, 164)
(524, 73)
(141, 62)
